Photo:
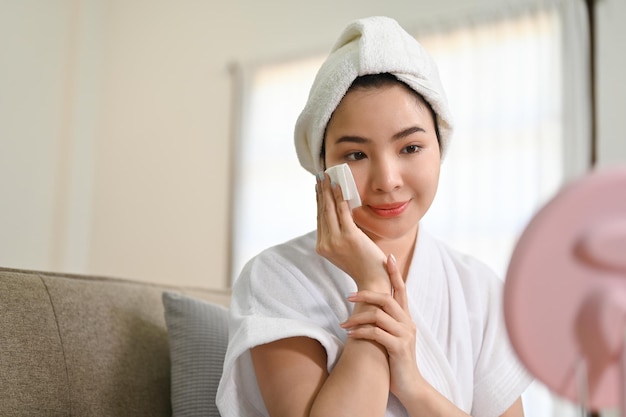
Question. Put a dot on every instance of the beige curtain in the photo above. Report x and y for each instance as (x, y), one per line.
(518, 83)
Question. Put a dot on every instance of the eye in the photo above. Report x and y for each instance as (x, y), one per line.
(411, 149)
(355, 156)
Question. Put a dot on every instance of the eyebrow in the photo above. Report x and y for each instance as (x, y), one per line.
(408, 131)
(359, 139)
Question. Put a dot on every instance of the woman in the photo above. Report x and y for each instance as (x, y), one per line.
(369, 315)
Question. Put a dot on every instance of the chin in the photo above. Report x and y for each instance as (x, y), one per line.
(389, 233)
(387, 229)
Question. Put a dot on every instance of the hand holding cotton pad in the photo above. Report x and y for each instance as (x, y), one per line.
(342, 175)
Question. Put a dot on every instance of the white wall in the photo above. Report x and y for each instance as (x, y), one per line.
(115, 122)
(34, 86)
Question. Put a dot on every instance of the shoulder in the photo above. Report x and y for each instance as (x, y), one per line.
(289, 270)
(289, 257)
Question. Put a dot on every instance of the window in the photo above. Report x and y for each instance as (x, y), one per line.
(274, 195)
(504, 87)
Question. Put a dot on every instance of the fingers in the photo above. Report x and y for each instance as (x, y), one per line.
(383, 300)
(318, 201)
(376, 334)
(342, 206)
(379, 326)
(397, 282)
(392, 317)
(376, 317)
(331, 203)
(374, 325)
(326, 210)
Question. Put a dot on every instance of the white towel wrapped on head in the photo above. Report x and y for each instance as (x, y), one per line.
(371, 45)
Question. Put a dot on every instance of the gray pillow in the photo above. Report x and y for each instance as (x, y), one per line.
(198, 336)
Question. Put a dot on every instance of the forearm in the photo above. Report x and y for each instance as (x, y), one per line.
(359, 383)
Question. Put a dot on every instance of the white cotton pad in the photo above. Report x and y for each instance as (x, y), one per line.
(342, 175)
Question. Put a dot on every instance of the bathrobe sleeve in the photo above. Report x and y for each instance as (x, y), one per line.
(275, 298)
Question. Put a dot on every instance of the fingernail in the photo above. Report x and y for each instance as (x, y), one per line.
(320, 176)
(393, 259)
(350, 295)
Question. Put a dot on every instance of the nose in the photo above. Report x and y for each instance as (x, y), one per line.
(386, 174)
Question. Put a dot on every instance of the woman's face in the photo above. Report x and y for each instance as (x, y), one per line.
(387, 136)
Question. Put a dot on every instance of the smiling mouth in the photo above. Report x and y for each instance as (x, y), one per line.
(389, 210)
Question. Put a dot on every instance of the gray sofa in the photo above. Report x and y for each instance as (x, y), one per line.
(82, 346)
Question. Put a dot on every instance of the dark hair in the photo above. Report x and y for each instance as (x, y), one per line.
(382, 80)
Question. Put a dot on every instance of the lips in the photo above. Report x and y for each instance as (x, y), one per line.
(389, 210)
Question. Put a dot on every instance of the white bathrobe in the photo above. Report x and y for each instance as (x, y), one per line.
(455, 301)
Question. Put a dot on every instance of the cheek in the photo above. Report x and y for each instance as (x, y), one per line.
(430, 179)
(361, 219)
(360, 177)
(429, 169)
(424, 181)
(434, 172)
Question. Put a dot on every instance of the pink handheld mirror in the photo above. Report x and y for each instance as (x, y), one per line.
(565, 292)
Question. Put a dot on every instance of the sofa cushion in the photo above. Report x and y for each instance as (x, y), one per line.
(198, 336)
(33, 375)
(115, 346)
